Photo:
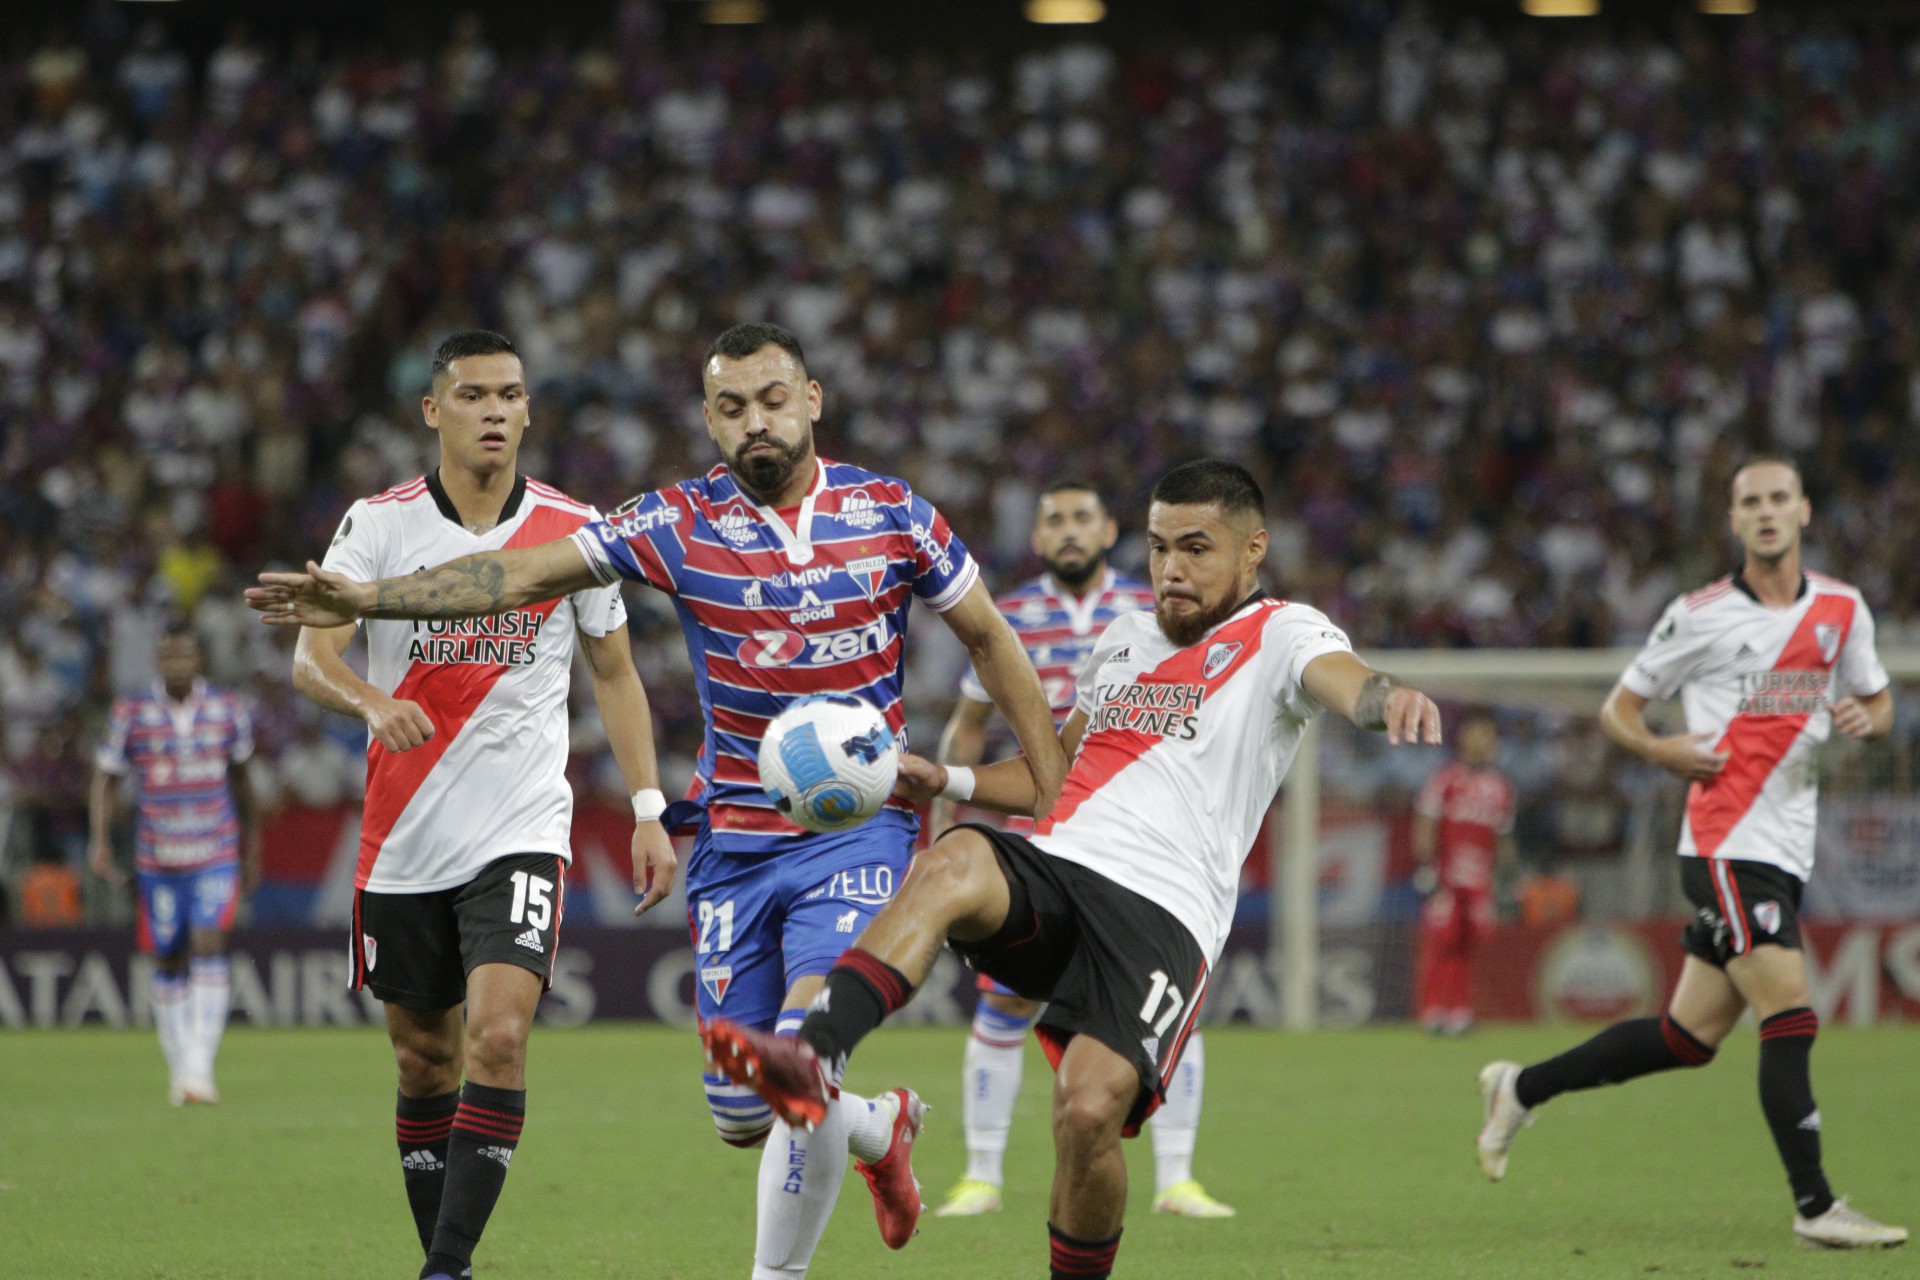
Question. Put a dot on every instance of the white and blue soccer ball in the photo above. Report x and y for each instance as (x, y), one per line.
(829, 761)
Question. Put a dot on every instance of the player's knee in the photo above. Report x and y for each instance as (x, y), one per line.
(1693, 1048)
(428, 1064)
(949, 872)
(740, 1116)
(498, 1045)
(1091, 1111)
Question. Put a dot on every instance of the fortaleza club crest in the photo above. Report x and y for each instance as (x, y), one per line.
(1827, 636)
(1218, 656)
(1767, 916)
(716, 978)
(866, 573)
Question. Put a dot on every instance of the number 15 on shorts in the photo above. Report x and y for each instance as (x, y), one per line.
(532, 900)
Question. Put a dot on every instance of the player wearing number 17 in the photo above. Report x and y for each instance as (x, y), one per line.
(793, 576)
(1115, 909)
(466, 835)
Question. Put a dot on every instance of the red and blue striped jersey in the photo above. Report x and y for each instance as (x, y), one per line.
(179, 754)
(1058, 629)
(780, 605)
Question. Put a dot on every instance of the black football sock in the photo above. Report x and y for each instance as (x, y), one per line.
(1076, 1259)
(861, 991)
(1786, 1095)
(423, 1126)
(1623, 1052)
(486, 1129)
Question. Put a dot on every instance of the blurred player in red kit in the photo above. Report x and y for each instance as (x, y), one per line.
(1462, 833)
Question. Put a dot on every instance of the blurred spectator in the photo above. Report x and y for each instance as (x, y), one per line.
(49, 893)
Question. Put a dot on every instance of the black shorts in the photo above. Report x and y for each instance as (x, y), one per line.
(416, 949)
(1109, 963)
(1738, 906)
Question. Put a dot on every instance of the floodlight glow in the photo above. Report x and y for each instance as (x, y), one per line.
(1560, 8)
(1060, 12)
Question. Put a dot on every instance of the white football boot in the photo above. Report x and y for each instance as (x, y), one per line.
(1844, 1227)
(1505, 1117)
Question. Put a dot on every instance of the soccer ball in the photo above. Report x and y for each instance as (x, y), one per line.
(829, 761)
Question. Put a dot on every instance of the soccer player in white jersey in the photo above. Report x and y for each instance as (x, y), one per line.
(793, 575)
(1116, 909)
(1057, 616)
(465, 840)
(1768, 662)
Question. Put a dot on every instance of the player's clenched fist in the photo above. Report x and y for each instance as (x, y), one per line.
(397, 724)
(919, 779)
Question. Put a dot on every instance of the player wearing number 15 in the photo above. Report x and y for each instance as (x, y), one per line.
(466, 835)
(792, 576)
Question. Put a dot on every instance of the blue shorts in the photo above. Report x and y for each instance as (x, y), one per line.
(761, 923)
(174, 902)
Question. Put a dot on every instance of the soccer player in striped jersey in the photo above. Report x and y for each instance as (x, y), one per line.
(1768, 663)
(1057, 616)
(792, 576)
(1115, 910)
(185, 744)
(464, 844)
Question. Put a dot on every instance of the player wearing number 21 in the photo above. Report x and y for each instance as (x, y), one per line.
(466, 835)
(792, 576)
(1115, 909)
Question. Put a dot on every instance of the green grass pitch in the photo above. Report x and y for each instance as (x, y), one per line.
(1348, 1154)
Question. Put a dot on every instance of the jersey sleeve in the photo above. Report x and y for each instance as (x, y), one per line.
(358, 549)
(240, 743)
(1860, 672)
(642, 541)
(943, 569)
(1668, 657)
(111, 755)
(1298, 634)
(599, 610)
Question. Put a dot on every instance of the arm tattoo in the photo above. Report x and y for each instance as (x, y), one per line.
(470, 587)
(1370, 708)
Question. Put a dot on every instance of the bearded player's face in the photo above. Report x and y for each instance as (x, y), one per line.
(480, 410)
(1203, 563)
(760, 410)
(1072, 534)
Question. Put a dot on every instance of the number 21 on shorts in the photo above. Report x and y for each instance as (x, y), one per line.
(715, 921)
(532, 900)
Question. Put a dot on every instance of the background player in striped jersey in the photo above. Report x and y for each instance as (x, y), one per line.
(466, 835)
(185, 743)
(1116, 909)
(1768, 661)
(1462, 834)
(1057, 616)
(792, 576)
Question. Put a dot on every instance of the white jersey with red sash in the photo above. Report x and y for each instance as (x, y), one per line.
(1184, 751)
(1762, 681)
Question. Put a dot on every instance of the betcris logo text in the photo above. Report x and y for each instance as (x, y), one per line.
(784, 648)
(632, 524)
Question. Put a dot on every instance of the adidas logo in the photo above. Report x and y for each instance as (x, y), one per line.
(531, 940)
(1121, 654)
(1812, 1123)
(503, 1154)
(1152, 1045)
(1745, 651)
(421, 1162)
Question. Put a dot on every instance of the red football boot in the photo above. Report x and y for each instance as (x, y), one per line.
(896, 1192)
(783, 1070)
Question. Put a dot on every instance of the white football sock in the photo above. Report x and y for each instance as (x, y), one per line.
(869, 1124)
(212, 991)
(1177, 1123)
(800, 1177)
(996, 1055)
(170, 998)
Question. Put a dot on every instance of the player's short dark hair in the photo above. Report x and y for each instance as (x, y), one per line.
(469, 342)
(742, 340)
(1770, 460)
(179, 628)
(1074, 484)
(1212, 482)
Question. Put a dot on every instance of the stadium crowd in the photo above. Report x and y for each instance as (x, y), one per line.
(1491, 313)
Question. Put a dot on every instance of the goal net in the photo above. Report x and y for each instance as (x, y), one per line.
(1588, 913)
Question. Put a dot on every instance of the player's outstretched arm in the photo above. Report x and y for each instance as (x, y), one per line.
(1372, 699)
(1691, 755)
(1004, 668)
(471, 587)
(321, 673)
(962, 742)
(628, 718)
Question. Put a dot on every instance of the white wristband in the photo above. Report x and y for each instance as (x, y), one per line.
(648, 805)
(959, 783)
